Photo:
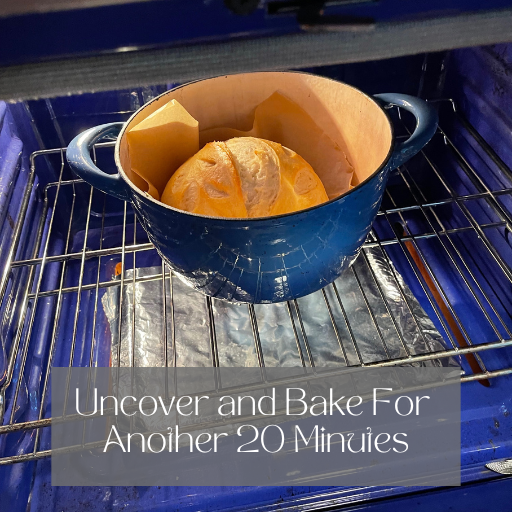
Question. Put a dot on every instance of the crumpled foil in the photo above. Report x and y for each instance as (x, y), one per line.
(347, 323)
(368, 315)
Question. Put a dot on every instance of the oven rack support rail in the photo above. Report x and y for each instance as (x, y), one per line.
(33, 289)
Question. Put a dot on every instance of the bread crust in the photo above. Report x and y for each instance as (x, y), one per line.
(244, 177)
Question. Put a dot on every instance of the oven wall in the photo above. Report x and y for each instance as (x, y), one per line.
(480, 82)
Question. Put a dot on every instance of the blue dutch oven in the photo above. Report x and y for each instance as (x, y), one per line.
(279, 258)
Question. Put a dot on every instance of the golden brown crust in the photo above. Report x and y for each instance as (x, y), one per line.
(301, 188)
(210, 183)
(207, 184)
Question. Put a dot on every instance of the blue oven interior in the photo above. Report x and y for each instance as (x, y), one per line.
(61, 242)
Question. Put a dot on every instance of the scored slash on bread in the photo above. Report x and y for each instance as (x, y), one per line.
(258, 167)
(244, 177)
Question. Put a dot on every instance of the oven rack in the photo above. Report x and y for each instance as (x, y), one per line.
(428, 215)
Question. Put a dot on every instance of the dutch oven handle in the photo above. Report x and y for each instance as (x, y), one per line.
(426, 125)
(78, 155)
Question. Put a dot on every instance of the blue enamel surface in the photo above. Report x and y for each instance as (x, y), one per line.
(16, 144)
(260, 260)
(426, 124)
(79, 158)
(267, 260)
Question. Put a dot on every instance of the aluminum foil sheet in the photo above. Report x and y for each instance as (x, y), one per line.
(364, 317)
(368, 315)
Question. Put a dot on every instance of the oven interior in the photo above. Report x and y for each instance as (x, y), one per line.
(62, 243)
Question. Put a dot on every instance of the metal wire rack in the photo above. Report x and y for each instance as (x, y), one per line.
(60, 278)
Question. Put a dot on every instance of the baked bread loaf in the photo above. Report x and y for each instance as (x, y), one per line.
(244, 177)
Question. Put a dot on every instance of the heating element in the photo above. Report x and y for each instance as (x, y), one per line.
(437, 208)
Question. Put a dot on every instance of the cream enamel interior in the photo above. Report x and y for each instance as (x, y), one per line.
(349, 117)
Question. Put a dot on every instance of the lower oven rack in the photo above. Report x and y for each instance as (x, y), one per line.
(454, 198)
